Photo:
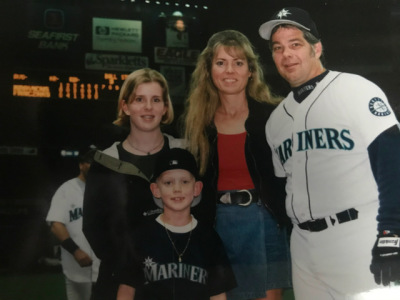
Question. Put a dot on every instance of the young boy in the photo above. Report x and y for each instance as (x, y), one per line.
(176, 257)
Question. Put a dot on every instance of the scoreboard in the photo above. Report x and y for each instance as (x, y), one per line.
(66, 85)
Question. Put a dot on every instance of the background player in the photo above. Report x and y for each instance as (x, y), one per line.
(177, 257)
(336, 140)
(80, 265)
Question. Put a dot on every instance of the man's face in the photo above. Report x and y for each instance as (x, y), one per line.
(296, 60)
(84, 168)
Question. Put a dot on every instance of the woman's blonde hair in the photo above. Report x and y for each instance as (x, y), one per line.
(203, 99)
(129, 87)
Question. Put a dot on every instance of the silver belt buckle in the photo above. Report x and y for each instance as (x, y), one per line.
(250, 198)
(226, 198)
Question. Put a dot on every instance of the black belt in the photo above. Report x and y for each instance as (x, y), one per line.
(322, 224)
(239, 197)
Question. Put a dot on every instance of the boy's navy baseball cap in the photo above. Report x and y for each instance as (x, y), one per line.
(289, 15)
(175, 158)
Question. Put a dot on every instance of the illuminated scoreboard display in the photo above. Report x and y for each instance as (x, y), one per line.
(68, 85)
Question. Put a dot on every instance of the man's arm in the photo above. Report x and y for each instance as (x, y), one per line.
(62, 234)
(384, 154)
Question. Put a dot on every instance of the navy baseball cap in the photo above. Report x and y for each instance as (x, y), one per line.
(292, 16)
(175, 158)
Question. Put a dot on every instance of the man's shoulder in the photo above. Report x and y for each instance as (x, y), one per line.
(280, 108)
(68, 190)
(71, 183)
(346, 78)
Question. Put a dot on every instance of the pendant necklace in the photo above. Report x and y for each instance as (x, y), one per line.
(173, 244)
(146, 152)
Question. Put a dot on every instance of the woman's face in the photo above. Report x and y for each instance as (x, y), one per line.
(145, 107)
(230, 73)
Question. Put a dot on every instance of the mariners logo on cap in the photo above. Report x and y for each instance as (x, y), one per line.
(283, 13)
(378, 107)
(173, 162)
(290, 16)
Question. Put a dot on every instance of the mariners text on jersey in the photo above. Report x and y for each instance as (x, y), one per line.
(317, 138)
(155, 272)
(75, 214)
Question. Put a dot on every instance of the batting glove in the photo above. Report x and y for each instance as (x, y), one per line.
(386, 257)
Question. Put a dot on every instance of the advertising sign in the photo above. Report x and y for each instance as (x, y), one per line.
(115, 62)
(175, 56)
(117, 35)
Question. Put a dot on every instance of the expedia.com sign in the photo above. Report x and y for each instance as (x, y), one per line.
(117, 35)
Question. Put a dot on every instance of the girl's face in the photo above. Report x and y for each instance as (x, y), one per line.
(145, 107)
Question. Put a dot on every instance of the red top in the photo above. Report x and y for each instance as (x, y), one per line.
(233, 171)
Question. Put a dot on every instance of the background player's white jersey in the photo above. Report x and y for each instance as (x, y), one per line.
(321, 145)
(66, 208)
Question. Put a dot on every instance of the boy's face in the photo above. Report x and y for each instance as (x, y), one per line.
(176, 188)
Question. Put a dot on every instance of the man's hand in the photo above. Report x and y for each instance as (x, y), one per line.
(386, 257)
(82, 258)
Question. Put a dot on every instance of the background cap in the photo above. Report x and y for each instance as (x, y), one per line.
(175, 158)
(289, 15)
(87, 156)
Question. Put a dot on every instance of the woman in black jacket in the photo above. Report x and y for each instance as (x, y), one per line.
(227, 110)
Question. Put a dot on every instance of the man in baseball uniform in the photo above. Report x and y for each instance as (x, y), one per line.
(79, 263)
(336, 140)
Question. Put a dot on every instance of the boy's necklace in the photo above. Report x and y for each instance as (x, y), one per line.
(173, 244)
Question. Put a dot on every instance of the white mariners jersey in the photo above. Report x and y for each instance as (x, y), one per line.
(66, 208)
(321, 145)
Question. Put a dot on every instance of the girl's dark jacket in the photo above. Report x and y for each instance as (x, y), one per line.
(259, 161)
(117, 198)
